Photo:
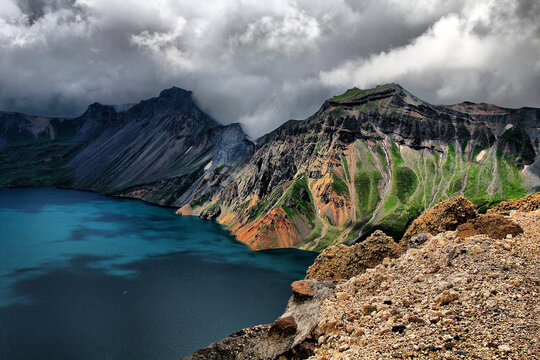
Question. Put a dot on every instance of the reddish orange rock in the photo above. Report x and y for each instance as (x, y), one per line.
(302, 288)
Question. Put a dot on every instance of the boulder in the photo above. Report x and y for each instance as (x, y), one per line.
(494, 226)
(417, 241)
(301, 289)
(282, 328)
(527, 203)
(341, 262)
(444, 216)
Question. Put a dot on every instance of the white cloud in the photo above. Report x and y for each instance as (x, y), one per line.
(289, 34)
(263, 63)
(479, 53)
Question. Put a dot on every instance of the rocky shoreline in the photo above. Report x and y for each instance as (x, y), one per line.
(455, 293)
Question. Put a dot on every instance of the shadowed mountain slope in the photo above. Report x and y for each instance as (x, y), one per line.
(156, 150)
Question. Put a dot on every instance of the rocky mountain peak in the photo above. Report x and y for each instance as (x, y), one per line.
(175, 93)
(99, 110)
(479, 109)
(382, 99)
(172, 103)
(366, 160)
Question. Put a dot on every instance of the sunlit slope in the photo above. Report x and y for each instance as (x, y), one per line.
(371, 159)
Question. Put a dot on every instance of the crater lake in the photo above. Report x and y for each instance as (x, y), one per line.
(85, 276)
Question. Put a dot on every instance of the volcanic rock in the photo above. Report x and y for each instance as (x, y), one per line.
(494, 226)
(237, 346)
(527, 203)
(287, 336)
(282, 327)
(484, 306)
(444, 216)
(301, 289)
(341, 262)
(446, 297)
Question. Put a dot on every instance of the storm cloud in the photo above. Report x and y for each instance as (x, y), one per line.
(261, 63)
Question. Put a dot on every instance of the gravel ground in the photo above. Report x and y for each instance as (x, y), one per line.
(476, 298)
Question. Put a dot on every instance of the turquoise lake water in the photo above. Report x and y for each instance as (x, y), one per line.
(84, 276)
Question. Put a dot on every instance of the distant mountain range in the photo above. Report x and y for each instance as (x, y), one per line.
(368, 159)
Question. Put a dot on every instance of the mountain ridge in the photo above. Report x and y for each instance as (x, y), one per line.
(387, 126)
(366, 160)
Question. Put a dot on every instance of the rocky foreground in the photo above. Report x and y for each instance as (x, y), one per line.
(451, 298)
(458, 294)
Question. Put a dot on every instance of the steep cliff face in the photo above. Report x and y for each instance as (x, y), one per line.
(156, 150)
(367, 160)
(159, 149)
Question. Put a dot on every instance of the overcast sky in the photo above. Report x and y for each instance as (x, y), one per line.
(261, 63)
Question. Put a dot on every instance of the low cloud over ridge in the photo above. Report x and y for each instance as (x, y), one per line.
(262, 63)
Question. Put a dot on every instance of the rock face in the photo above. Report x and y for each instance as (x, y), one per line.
(341, 262)
(529, 202)
(367, 160)
(287, 336)
(374, 159)
(494, 226)
(444, 216)
(162, 148)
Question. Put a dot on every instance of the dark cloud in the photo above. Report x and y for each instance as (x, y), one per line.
(528, 9)
(266, 62)
(36, 9)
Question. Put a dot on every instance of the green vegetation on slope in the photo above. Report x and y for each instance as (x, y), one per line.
(404, 180)
(348, 94)
(340, 187)
(479, 177)
(38, 163)
(367, 193)
(449, 162)
(399, 207)
(264, 206)
(329, 238)
(382, 157)
(395, 155)
(510, 178)
(356, 91)
(298, 200)
(345, 167)
(406, 183)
